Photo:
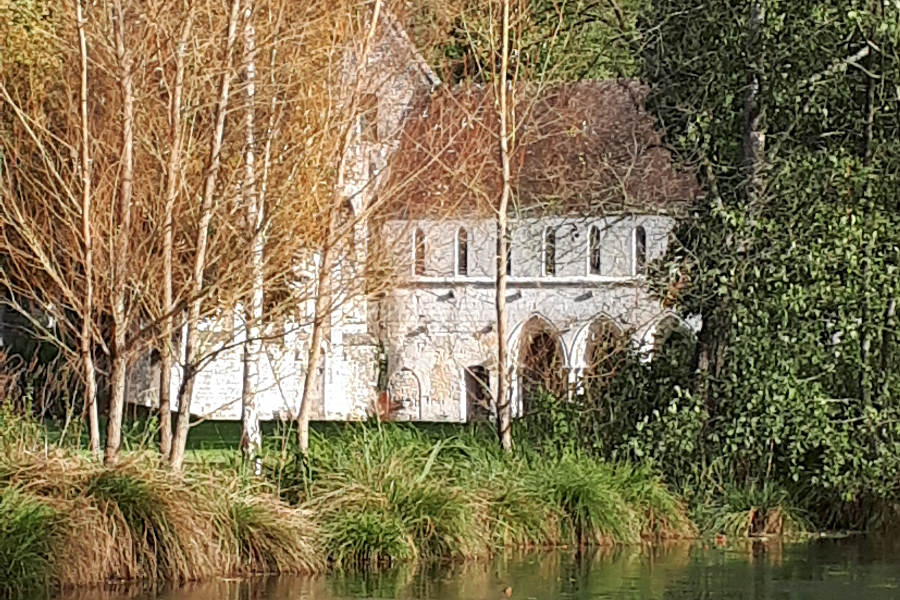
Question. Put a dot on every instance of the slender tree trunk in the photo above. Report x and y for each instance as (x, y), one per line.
(122, 235)
(865, 337)
(186, 392)
(323, 305)
(87, 317)
(322, 312)
(754, 138)
(504, 397)
(173, 173)
(251, 438)
(710, 356)
(887, 342)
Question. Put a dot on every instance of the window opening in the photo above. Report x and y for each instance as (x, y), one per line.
(640, 249)
(368, 117)
(594, 250)
(462, 252)
(419, 251)
(549, 252)
(478, 393)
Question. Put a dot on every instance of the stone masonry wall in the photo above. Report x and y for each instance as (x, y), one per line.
(437, 325)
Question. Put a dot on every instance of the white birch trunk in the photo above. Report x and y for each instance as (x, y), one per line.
(173, 172)
(251, 438)
(192, 353)
(87, 317)
(504, 397)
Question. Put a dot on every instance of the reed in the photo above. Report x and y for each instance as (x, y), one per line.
(388, 493)
(367, 495)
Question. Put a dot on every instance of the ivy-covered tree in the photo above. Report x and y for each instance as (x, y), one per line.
(788, 113)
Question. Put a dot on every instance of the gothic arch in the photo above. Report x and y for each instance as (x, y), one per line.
(404, 390)
(581, 343)
(536, 341)
(600, 349)
(523, 328)
(655, 333)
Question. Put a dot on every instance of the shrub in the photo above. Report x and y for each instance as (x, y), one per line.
(29, 531)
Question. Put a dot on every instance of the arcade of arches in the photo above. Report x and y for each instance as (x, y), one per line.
(543, 366)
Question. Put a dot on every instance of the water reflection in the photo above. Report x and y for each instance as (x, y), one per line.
(820, 570)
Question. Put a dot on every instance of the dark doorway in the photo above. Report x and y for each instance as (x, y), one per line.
(541, 364)
(605, 355)
(478, 393)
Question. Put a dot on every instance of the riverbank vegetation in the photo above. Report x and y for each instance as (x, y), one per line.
(66, 520)
(783, 401)
(367, 496)
(778, 413)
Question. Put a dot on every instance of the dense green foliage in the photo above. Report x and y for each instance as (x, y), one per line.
(793, 385)
(796, 281)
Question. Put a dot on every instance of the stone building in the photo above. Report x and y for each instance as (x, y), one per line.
(595, 198)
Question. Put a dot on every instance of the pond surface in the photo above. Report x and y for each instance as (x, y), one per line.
(851, 568)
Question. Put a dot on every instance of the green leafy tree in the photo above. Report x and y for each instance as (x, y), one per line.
(791, 258)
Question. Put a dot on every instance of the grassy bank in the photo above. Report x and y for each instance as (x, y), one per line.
(67, 521)
(401, 493)
(368, 495)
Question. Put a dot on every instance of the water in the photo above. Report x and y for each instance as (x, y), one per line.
(851, 569)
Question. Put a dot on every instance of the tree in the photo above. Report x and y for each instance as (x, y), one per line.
(87, 323)
(195, 301)
(507, 111)
(781, 108)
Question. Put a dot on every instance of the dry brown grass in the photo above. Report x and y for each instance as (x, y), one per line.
(139, 522)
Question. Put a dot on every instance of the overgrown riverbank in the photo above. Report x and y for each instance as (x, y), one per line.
(370, 496)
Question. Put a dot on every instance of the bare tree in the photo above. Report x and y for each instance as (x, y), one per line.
(504, 399)
(173, 174)
(179, 440)
(121, 234)
(87, 323)
(324, 304)
(251, 439)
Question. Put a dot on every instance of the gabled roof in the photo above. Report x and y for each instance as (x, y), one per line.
(396, 31)
(587, 148)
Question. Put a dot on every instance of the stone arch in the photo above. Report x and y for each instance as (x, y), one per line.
(661, 327)
(517, 333)
(404, 389)
(582, 341)
(539, 359)
(601, 346)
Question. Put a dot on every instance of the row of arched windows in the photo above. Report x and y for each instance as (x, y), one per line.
(548, 252)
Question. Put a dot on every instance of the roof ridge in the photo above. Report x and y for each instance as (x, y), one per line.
(400, 31)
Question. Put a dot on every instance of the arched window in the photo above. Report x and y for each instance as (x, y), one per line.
(640, 249)
(549, 252)
(419, 252)
(594, 250)
(462, 252)
(509, 255)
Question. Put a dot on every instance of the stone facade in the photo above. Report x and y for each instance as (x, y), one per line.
(431, 335)
(440, 325)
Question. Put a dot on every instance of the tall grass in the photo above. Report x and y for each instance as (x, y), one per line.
(366, 495)
(28, 530)
(67, 521)
(390, 493)
(754, 511)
